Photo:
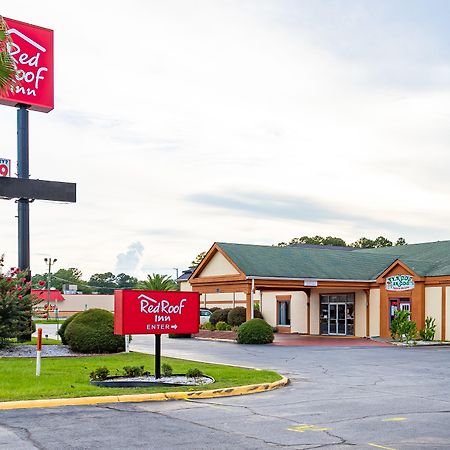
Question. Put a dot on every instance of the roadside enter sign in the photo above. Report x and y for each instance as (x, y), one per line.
(156, 312)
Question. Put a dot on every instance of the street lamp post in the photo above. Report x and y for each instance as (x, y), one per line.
(49, 261)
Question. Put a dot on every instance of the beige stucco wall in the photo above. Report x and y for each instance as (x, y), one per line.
(222, 299)
(185, 286)
(360, 314)
(299, 309)
(433, 307)
(217, 266)
(314, 309)
(75, 303)
(299, 312)
(374, 312)
(269, 306)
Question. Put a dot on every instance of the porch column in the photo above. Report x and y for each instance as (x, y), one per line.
(367, 292)
(248, 299)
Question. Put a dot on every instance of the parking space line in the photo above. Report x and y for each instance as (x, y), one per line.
(305, 427)
(381, 446)
(394, 419)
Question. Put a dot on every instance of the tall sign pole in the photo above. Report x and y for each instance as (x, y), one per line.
(23, 172)
(31, 50)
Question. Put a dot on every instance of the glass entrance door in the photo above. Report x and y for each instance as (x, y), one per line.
(337, 319)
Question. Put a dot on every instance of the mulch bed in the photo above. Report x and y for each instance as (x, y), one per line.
(207, 334)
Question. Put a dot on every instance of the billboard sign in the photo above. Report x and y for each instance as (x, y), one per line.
(5, 167)
(32, 52)
(156, 312)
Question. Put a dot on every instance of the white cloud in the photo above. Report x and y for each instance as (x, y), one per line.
(160, 101)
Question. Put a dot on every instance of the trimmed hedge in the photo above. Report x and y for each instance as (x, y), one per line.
(255, 331)
(63, 326)
(237, 316)
(219, 315)
(92, 331)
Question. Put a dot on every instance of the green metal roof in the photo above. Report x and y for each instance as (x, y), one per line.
(429, 259)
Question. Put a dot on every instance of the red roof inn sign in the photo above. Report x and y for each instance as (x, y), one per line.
(156, 312)
(32, 51)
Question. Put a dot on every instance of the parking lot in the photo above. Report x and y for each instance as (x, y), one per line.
(339, 397)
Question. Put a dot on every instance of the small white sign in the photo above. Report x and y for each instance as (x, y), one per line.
(399, 283)
(310, 283)
(5, 167)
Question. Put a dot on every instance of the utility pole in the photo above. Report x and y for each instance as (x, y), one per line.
(49, 261)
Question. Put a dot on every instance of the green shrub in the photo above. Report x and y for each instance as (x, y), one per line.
(237, 316)
(219, 315)
(402, 328)
(257, 314)
(427, 334)
(167, 370)
(221, 326)
(255, 331)
(99, 374)
(180, 336)
(135, 371)
(63, 326)
(207, 326)
(229, 327)
(194, 373)
(92, 331)
(214, 308)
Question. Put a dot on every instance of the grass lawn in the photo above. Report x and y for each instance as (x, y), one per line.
(48, 321)
(34, 342)
(69, 377)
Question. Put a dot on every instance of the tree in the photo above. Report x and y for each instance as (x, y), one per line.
(105, 283)
(315, 240)
(72, 275)
(16, 305)
(124, 281)
(7, 65)
(157, 282)
(400, 241)
(381, 241)
(198, 259)
(364, 243)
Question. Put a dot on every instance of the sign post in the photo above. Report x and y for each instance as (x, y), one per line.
(38, 352)
(31, 49)
(156, 312)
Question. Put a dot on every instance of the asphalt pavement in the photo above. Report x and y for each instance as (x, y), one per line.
(339, 398)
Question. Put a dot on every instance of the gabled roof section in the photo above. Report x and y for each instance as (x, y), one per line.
(306, 262)
(217, 263)
(427, 259)
(397, 263)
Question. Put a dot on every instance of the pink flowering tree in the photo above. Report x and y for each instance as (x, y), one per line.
(16, 305)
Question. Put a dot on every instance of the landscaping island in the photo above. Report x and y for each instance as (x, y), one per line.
(70, 376)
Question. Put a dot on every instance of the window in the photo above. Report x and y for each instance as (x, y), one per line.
(284, 313)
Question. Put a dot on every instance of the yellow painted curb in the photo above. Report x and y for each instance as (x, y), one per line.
(213, 393)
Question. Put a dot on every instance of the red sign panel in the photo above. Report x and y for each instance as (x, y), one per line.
(32, 51)
(5, 167)
(156, 312)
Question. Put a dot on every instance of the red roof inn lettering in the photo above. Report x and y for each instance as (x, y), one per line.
(32, 51)
(156, 312)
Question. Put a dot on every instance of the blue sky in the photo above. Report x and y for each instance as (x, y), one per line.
(185, 123)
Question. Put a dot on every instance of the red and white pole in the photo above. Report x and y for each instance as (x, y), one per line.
(38, 352)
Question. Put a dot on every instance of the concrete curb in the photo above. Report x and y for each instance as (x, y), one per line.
(214, 393)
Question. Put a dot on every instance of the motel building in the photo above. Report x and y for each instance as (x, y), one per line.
(321, 290)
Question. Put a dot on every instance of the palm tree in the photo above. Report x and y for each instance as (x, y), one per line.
(7, 65)
(157, 282)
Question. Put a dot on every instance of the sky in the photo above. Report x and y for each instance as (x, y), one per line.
(189, 122)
